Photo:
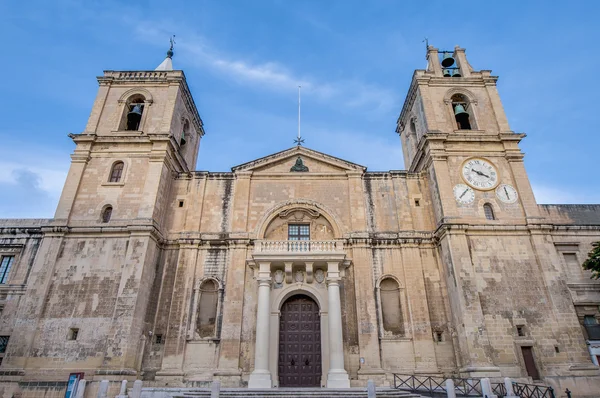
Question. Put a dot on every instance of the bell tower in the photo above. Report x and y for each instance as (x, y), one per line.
(453, 114)
(98, 258)
(146, 123)
(454, 131)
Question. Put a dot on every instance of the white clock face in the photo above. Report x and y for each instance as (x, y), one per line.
(507, 193)
(480, 174)
(464, 194)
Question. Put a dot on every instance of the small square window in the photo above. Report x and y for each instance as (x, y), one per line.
(417, 203)
(181, 203)
(556, 349)
(439, 337)
(158, 339)
(298, 232)
(73, 333)
(520, 330)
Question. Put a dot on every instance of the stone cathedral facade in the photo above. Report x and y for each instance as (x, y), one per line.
(299, 268)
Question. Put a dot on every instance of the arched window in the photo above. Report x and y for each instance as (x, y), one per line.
(207, 308)
(184, 132)
(116, 172)
(488, 210)
(462, 112)
(134, 111)
(106, 214)
(391, 307)
(413, 126)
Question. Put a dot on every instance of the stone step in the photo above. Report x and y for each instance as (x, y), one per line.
(273, 393)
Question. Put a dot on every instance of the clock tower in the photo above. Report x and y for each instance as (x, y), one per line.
(488, 226)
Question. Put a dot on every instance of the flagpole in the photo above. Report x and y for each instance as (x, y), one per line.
(299, 115)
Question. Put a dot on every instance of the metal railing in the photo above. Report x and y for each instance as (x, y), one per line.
(435, 386)
(532, 390)
(298, 246)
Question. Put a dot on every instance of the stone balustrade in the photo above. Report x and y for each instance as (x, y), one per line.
(298, 246)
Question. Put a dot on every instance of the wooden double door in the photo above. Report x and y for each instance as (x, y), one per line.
(299, 343)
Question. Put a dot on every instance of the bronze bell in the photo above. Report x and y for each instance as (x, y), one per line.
(183, 140)
(447, 72)
(459, 109)
(136, 110)
(447, 61)
(456, 73)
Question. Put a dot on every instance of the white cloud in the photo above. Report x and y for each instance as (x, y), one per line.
(274, 76)
(31, 180)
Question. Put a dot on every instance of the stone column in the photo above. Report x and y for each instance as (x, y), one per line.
(337, 376)
(261, 376)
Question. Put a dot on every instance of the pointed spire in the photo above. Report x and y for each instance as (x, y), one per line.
(167, 64)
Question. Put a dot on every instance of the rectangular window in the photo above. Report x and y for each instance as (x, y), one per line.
(590, 320)
(298, 232)
(5, 266)
(3, 343)
(73, 333)
(158, 339)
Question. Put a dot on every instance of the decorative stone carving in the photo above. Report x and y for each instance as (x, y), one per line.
(278, 276)
(299, 276)
(320, 275)
(299, 166)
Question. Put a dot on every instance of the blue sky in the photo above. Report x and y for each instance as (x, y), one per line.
(244, 60)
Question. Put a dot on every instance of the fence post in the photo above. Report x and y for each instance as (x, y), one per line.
(123, 390)
(102, 389)
(215, 389)
(80, 389)
(486, 388)
(371, 392)
(450, 391)
(136, 392)
(510, 393)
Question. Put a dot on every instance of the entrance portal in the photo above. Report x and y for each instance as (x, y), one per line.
(299, 343)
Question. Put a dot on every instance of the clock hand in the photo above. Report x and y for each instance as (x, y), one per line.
(506, 192)
(463, 194)
(480, 173)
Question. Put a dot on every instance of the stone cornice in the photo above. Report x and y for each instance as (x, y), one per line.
(342, 164)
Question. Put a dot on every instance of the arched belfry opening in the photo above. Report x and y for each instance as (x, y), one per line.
(135, 109)
(299, 362)
(463, 112)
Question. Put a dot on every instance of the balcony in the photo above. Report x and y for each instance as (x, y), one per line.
(299, 250)
(593, 332)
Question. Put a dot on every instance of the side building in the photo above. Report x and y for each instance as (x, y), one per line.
(299, 269)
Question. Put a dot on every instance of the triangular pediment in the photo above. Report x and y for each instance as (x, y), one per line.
(284, 161)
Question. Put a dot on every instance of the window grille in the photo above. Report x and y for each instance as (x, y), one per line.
(5, 267)
(298, 232)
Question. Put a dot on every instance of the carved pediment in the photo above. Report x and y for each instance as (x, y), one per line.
(299, 160)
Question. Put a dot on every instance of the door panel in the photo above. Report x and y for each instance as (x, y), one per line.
(299, 343)
(530, 363)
